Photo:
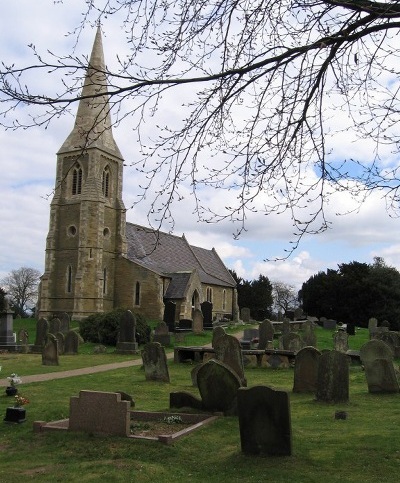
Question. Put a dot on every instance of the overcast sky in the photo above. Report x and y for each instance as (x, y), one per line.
(28, 162)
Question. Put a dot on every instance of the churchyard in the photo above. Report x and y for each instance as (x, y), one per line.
(364, 446)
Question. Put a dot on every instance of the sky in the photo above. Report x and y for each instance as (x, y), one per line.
(28, 162)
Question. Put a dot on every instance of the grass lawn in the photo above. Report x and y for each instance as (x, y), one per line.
(364, 448)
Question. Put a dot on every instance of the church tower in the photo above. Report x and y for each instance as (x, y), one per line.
(87, 215)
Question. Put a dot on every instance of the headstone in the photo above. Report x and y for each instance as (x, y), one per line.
(50, 352)
(127, 334)
(65, 320)
(333, 377)
(61, 342)
(298, 314)
(391, 338)
(197, 326)
(372, 325)
(277, 361)
(227, 350)
(7, 339)
(185, 324)
(291, 342)
(285, 326)
(23, 341)
(217, 333)
(245, 314)
(54, 326)
(161, 334)
(101, 413)
(249, 335)
(218, 385)
(264, 421)
(169, 315)
(309, 337)
(377, 358)
(351, 328)
(329, 324)
(42, 330)
(155, 362)
(206, 308)
(71, 343)
(306, 370)
(266, 334)
(341, 341)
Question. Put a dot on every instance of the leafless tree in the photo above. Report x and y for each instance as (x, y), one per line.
(271, 82)
(284, 296)
(21, 286)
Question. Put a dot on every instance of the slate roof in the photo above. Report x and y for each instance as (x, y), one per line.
(170, 255)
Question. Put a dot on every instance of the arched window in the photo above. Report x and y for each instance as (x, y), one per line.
(137, 293)
(105, 182)
(209, 294)
(77, 180)
(224, 300)
(104, 281)
(69, 279)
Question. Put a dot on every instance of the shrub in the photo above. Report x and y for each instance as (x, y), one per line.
(103, 328)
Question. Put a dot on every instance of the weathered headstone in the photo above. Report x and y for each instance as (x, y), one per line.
(266, 334)
(249, 335)
(161, 334)
(329, 324)
(54, 326)
(341, 341)
(264, 421)
(306, 370)
(102, 413)
(245, 314)
(217, 333)
(291, 342)
(206, 308)
(351, 328)
(65, 320)
(227, 350)
(50, 352)
(298, 314)
(333, 377)
(169, 315)
(372, 325)
(377, 358)
(197, 326)
(285, 326)
(155, 362)
(309, 337)
(127, 334)
(71, 343)
(218, 385)
(7, 339)
(276, 361)
(42, 330)
(61, 342)
(23, 341)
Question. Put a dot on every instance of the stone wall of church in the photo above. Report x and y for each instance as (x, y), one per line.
(222, 304)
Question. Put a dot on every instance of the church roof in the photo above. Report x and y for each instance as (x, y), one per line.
(168, 254)
(93, 127)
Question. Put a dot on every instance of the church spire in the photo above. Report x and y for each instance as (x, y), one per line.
(93, 126)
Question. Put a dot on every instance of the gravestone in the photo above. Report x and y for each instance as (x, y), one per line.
(54, 326)
(42, 331)
(245, 314)
(372, 325)
(391, 338)
(306, 370)
(377, 358)
(218, 385)
(285, 326)
(197, 325)
(161, 334)
(249, 335)
(351, 328)
(50, 352)
(309, 337)
(206, 309)
(169, 315)
(329, 324)
(127, 334)
(276, 361)
(217, 333)
(341, 341)
(65, 320)
(291, 342)
(71, 343)
(61, 342)
(333, 377)
(298, 314)
(264, 421)
(155, 362)
(227, 350)
(23, 341)
(102, 413)
(265, 334)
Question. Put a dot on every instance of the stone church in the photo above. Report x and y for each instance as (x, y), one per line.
(95, 260)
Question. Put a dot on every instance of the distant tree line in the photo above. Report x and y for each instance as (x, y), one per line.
(354, 293)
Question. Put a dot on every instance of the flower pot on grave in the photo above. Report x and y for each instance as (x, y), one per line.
(11, 391)
(15, 415)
